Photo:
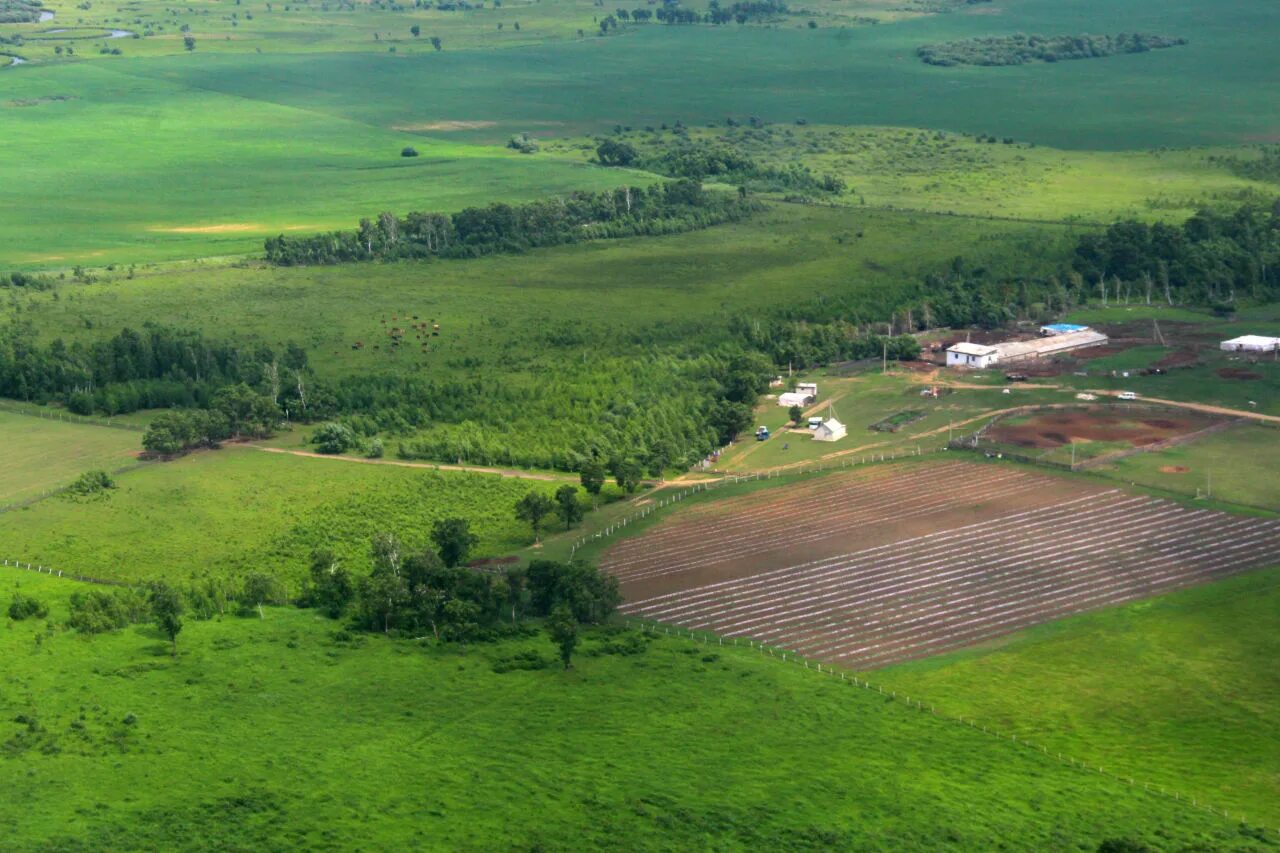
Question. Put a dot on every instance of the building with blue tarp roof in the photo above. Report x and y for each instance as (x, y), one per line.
(1062, 329)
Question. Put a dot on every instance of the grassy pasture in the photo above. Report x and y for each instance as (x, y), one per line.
(392, 745)
(529, 313)
(904, 168)
(40, 454)
(1174, 690)
(238, 510)
(1237, 466)
(867, 75)
(131, 169)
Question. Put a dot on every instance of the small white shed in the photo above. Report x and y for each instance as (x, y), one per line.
(965, 354)
(1251, 343)
(830, 430)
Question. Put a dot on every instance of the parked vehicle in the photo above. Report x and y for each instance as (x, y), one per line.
(814, 423)
(1128, 395)
(762, 433)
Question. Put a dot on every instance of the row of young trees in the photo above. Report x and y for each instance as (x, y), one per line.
(155, 368)
(666, 208)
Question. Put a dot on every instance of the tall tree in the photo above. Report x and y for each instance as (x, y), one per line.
(592, 478)
(453, 540)
(166, 611)
(534, 508)
(562, 628)
(567, 506)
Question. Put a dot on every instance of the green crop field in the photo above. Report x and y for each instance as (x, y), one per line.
(1174, 691)
(279, 729)
(40, 455)
(239, 510)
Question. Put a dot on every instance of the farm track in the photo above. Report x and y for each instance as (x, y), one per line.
(912, 596)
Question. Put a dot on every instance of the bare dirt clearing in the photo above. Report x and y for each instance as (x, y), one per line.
(901, 561)
(1055, 429)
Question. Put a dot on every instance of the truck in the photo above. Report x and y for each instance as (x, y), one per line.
(762, 433)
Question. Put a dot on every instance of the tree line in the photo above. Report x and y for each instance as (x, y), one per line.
(155, 368)
(1020, 49)
(699, 160)
(420, 594)
(665, 208)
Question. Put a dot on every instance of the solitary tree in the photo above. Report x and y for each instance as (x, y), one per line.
(453, 540)
(562, 628)
(435, 42)
(166, 611)
(795, 412)
(331, 585)
(534, 508)
(627, 475)
(567, 506)
(592, 478)
(189, 42)
(416, 30)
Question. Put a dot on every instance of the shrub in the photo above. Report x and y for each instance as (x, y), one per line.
(26, 607)
(408, 151)
(333, 438)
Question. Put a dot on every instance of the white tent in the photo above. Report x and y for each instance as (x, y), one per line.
(794, 398)
(829, 430)
(1251, 343)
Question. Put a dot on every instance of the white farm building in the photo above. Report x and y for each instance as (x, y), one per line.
(1251, 343)
(979, 356)
(971, 355)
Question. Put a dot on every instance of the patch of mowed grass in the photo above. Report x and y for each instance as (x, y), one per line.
(1238, 465)
(41, 454)
(1178, 691)
(281, 732)
(133, 169)
(527, 313)
(241, 510)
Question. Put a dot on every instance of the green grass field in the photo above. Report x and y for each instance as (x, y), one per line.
(173, 171)
(40, 455)
(1235, 466)
(239, 510)
(911, 169)
(272, 734)
(510, 310)
(1175, 691)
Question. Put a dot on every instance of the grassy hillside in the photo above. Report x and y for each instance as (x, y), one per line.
(280, 729)
(239, 510)
(40, 455)
(1177, 690)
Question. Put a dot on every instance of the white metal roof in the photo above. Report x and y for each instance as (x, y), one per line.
(966, 348)
(1253, 341)
(1051, 344)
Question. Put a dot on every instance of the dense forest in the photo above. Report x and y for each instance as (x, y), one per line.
(1211, 258)
(1020, 49)
(667, 208)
